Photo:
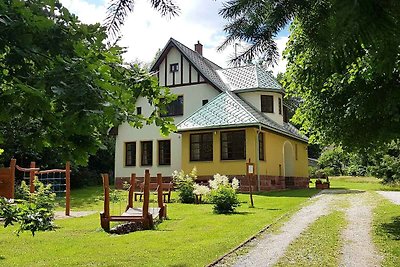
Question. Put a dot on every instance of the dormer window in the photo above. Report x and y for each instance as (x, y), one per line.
(174, 67)
(267, 103)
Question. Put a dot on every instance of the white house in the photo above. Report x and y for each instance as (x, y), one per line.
(241, 100)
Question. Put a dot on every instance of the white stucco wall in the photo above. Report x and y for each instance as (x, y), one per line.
(192, 101)
(254, 98)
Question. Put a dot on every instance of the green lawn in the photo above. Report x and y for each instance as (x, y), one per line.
(360, 183)
(193, 236)
(386, 232)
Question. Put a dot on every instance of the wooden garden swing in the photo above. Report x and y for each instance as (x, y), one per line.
(132, 214)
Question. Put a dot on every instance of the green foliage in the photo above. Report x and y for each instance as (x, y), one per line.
(185, 185)
(357, 165)
(333, 161)
(22, 191)
(223, 194)
(34, 213)
(387, 163)
(225, 199)
(343, 62)
(62, 87)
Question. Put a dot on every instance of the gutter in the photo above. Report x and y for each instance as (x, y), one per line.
(258, 157)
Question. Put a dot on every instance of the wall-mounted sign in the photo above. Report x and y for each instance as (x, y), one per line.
(250, 168)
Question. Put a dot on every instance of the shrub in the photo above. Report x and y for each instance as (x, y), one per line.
(333, 161)
(22, 191)
(223, 194)
(185, 185)
(311, 171)
(34, 213)
(387, 163)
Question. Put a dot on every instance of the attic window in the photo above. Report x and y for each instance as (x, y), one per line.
(267, 103)
(174, 67)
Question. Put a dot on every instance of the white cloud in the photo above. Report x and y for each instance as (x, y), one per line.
(88, 13)
(145, 31)
(281, 64)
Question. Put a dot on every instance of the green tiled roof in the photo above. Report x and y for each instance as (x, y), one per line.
(249, 78)
(228, 110)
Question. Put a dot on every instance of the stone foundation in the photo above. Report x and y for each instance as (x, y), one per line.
(267, 182)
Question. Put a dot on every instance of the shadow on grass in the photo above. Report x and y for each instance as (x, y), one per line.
(336, 191)
(391, 229)
(2, 257)
(308, 192)
(84, 197)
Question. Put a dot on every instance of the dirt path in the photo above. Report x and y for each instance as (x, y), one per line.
(269, 248)
(74, 214)
(393, 196)
(358, 249)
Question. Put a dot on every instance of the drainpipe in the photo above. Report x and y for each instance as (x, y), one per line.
(258, 158)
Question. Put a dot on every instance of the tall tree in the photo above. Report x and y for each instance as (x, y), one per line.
(61, 87)
(343, 62)
(119, 9)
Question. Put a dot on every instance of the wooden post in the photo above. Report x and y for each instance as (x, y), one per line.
(146, 194)
(131, 191)
(160, 196)
(106, 187)
(32, 172)
(251, 190)
(67, 188)
(249, 173)
(12, 177)
(105, 215)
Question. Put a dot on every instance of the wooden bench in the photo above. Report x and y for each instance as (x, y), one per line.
(166, 188)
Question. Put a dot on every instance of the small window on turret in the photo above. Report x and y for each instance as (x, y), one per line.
(280, 106)
(267, 103)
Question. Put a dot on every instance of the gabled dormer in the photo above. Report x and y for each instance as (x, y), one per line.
(256, 85)
(178, 65)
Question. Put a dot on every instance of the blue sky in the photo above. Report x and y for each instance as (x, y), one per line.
(145, 31)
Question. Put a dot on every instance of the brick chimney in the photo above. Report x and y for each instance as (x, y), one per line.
(198, 48)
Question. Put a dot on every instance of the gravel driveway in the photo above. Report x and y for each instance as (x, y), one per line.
(393, 196)
(271, 247)
(358, 249)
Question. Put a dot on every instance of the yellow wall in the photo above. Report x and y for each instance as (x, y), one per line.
(274, 155)
(273, 149)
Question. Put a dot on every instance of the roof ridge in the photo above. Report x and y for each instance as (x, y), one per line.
(256, 70)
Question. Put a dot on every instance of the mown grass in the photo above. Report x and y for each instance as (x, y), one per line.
(386, 232)
(359, 183)
(319, 245)
(193, 235)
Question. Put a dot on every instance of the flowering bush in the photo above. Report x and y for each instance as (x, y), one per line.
(185, 185)
(201, 190)
(223, 194)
